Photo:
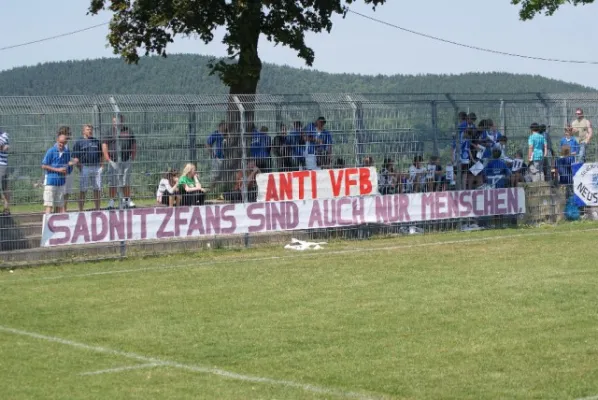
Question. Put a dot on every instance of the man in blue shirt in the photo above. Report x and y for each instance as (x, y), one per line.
(538, 149)
(461, 128)
(296, 141)
(57, 164)
(215, 145)
(261, 145)
(322, 140)
(88, 152)
(4, 146)
(497, 172)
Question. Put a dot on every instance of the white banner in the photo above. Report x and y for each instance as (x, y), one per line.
(229, 219)
(585, 183)
(321, 184)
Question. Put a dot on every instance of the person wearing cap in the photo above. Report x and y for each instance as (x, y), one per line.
(536, 153)
(582, 130)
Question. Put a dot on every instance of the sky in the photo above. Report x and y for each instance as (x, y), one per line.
(355, 45)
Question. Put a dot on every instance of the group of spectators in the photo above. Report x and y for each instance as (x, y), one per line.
(480, 160)
(89, 156)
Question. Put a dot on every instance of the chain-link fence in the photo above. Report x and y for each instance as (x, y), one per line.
(146, 142)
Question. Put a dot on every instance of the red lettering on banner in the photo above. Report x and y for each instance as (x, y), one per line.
(117, 225)
(427, 203)
(81, 229)
(255, 213)
(271, 190)
(315, 215)
(365, 185)
(162, 232)
(286, 186)
(440, 206)
(98, 236)
(474, 199)
(179, 221)
(349, 181)
(301, 175)
(196, 222)
(143, 213)
(64, 230)
(336, 180)
(465, 203)
(230, 219)
(314, 185)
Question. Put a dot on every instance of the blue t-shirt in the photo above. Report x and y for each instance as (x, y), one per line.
(88, 151)
(563, 166)
(56, 159)
(537, 142)
(260, 145)
(323, 138)
(496, 173)
(572, 143)
(465, 145)
(216, 142)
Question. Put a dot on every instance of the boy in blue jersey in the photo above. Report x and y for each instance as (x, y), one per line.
(466, 158)
(563, 166)
(323, 141)
(538, 149)
(57, 164)
(569, 140)
(261, 145)
(497, 173)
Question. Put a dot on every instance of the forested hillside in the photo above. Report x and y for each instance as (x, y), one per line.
(187, 74)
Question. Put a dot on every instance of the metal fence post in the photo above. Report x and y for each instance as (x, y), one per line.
(116, 132)
(357, 124)
(192, 135)
(96, 118)
(565, 114)
(243, 148)
(435, 126)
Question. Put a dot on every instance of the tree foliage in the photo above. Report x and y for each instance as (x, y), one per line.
(530, 8)
(151, 25)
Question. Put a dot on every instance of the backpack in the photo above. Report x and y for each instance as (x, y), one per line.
(571, 210)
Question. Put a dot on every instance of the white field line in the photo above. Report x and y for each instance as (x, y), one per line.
(121, 369)
(318, 253)
(191, 367)
(589, 398)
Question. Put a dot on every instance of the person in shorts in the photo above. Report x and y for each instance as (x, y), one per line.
(4, 147)
(119, 173)
(538, 150)
(70, 177)
(57, 164)
(88, 152)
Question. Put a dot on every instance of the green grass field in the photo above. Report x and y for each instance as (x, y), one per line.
(486, 315)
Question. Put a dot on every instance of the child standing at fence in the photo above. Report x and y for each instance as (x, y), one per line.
(466, 158)
(570, 141)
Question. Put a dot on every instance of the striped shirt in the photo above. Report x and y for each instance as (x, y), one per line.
(3, 142)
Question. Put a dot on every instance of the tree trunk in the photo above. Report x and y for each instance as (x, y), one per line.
(243, 84)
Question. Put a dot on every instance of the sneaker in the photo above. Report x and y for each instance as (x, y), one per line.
(111, 204)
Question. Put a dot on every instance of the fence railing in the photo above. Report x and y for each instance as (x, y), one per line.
(267, 132)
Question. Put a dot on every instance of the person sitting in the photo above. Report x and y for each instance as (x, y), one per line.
(387, 179)
(168, 189)
(192, 194)
(236, 196)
